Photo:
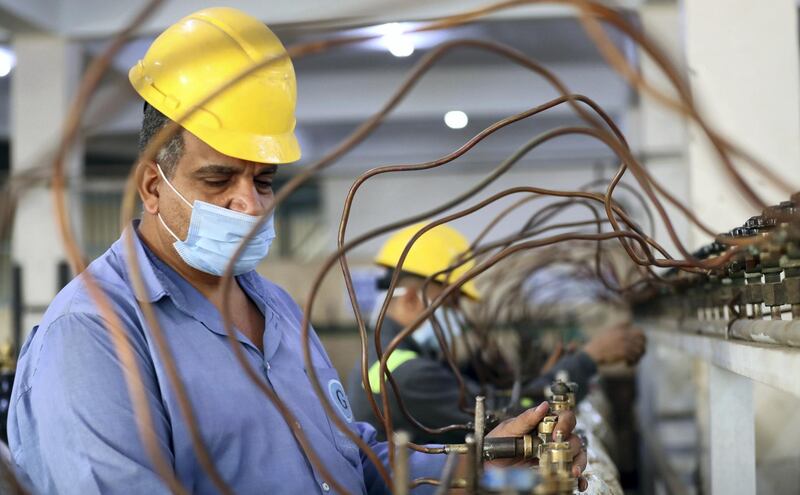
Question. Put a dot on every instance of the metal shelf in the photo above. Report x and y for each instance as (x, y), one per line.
(774, 365)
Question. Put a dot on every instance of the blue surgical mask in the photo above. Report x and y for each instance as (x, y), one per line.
(215, 234)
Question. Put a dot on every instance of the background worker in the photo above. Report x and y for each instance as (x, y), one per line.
(72, 425)
(426, 382)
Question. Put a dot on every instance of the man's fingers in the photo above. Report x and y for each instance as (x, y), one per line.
(574, 445)
(579, 463)
(522, 424)
(566, 422)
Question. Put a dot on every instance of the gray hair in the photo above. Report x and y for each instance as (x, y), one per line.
(172, 151)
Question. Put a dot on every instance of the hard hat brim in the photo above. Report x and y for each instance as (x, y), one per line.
(469, 288)
(275, 148)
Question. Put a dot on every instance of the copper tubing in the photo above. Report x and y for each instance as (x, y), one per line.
(588, 11)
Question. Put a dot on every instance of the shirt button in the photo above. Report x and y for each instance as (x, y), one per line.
(325, 487)
(268, 367)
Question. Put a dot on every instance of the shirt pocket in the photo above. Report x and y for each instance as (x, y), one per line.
(337, 398)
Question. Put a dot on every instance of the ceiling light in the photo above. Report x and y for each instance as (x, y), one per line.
(456, 119)
(7, 61)
(396, 40)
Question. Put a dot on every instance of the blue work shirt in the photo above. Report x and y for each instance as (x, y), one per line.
(72, 429)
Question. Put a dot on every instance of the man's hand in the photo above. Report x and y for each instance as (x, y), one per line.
(527, 422)
(615, 344)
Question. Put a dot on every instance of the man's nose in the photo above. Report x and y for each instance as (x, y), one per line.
(246, 199)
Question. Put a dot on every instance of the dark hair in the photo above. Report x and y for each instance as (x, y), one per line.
(172, 151)
(382, 283)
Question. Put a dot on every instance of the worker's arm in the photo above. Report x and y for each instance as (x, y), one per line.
(579, 367)
(431, 393)
(73, 426)
(617, 343)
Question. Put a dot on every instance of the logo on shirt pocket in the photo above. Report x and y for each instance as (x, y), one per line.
(339, 399)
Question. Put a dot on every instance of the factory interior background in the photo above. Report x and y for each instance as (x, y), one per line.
(710, 407)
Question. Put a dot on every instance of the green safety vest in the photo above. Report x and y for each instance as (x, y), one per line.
(398, 357)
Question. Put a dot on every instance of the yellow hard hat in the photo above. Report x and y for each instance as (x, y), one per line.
(253, 120)
(433, 252)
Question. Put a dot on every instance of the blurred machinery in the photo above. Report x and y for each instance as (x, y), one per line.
(726, 357)
(753, 293)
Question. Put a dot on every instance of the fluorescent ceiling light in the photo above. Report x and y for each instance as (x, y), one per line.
(7, 61)
(456, 119)
(396, 40)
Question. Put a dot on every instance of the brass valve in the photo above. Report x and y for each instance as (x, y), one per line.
(560, 396)
(555, 468)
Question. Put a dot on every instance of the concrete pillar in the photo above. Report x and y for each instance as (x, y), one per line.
(777, 429)
(42, 86)
(743, 70)
(733, 466)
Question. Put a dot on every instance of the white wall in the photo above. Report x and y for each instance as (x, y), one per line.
(743, 61)
(384, 199)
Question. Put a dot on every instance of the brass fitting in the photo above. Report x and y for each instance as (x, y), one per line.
(560, 396)
(555, 468)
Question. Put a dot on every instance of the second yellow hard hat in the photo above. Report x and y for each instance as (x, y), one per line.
(435, 251)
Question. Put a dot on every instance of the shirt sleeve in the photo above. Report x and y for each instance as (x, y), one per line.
(420, 465)
(77, 429)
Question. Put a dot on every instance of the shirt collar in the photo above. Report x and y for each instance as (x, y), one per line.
(153, 285)
(161, 280)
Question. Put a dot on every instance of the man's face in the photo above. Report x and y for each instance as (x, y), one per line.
(433, 291)
(205, 174)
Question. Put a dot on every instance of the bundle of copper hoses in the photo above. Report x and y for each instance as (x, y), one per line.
(608, 222)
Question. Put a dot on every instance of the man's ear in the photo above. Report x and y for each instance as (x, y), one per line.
(147, 181)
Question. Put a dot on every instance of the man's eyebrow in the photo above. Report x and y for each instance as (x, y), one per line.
(219, 169)
(268, 170)
(216, 170)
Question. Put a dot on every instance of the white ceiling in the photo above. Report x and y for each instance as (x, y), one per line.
(338, 89)
(102, 18)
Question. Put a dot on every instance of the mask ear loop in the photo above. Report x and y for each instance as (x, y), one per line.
(161, 172)
(168, 229)
(160, 218)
